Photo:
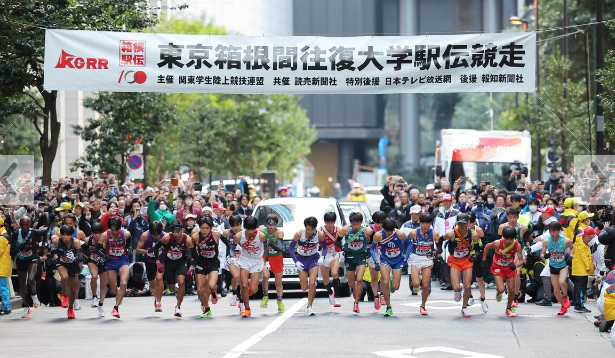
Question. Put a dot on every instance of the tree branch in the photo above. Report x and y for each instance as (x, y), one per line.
(36, 126)
(35, 101)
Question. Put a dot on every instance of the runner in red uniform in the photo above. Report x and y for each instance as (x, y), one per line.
(504, 267)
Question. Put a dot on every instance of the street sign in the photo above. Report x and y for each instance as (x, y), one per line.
(135, 162)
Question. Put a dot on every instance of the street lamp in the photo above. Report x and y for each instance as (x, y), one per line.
(516, 20)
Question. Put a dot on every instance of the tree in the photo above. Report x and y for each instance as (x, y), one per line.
(19, 136)
(606, 77)
(124, 119)
(22, 44)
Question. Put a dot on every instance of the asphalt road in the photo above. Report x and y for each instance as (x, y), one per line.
(536, 332)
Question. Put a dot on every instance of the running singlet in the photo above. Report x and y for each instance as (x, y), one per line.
(356, 242)
(272, 239)
(116, 248)
(251, 247)
(176, 251)
(462, 249)
(149, 243)
(390, 246)
(67, 255)
(371, 239)
(505, 258)
(24, 253)
(423, 243)
(557, 250)
(518, 228)
(308, 247)
(330, 240)
(94, 257)
(207, 247)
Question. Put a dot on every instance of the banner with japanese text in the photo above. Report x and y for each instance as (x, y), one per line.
(151, 62)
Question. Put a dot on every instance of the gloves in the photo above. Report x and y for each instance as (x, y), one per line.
(473, 257)
(150, 250)
(451, 247)
(300, 266)
(484, 264)
(547, 255)
(267, 265)
(321, 260)
(160, 268)
(377, 266)
(512, 267)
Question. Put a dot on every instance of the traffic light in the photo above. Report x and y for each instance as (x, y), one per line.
(553, 160)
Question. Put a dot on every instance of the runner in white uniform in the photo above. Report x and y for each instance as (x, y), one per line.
(232, 261)
(330, 264)
(251, 264)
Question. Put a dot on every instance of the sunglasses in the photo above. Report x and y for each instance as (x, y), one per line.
(272, 223)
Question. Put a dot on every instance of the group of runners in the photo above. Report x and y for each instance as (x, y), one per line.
(256, 252)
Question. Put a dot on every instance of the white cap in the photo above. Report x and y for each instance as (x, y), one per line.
(415, 209)
(430, 187)
(208, 208)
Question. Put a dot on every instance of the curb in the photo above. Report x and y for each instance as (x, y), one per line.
(16, 303)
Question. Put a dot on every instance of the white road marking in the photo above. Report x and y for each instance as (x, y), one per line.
(272, 327)
(403, 353)
(440, 305)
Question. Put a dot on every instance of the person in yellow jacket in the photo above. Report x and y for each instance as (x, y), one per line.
(356, 194)
(582, 266)
(5, 270)
(568, 219)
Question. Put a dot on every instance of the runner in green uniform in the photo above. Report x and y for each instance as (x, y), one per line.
(273, 261)
(355, 251)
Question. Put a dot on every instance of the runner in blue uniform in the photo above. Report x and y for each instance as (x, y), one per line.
(391, 258)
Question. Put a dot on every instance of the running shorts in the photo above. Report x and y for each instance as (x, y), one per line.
(174, 268)
(116, 264)
(252, 265)
(420, 261)
(329, 257)
(151, 269)
(205, 266)
(502, 271)
(72, 268)
(276, 264)
(460, 263)
(309, 262)
(352, 262)
(477, 268)
(396, 264)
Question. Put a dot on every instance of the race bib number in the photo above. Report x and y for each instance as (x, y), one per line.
(422, 250)
(174, 255)
(557, 257)
(116, 252)
(392, 252)
(461, 252)
(26, 254)
(68, 258)
(208, 253)
(355, 245)
(308, 250)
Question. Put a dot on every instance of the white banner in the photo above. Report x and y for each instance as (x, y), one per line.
(148, 62)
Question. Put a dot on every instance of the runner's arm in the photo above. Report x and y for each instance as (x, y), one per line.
(140, 244)
(525, 234)
(321, 239)
(293, 244)
(488, 247)
(521, 260)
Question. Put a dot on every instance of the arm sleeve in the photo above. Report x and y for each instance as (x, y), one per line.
(409, 247)
(98, 250)
(156, 249)
(225, 241)
(372, 252)
(193, 255)
(324, 250)
(277, 246)
(291, 250)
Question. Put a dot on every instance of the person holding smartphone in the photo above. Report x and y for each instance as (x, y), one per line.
(137, 225)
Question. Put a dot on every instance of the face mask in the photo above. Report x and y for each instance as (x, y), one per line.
(121, 212)
(490, 201)
(533, 208)
(398, 204)
(163, 207)
(189, 203)
(88, 217)
(64, 195)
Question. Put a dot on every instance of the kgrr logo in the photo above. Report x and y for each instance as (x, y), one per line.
(131, 77)
(71, 61)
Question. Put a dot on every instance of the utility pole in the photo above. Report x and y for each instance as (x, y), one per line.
(599, 89)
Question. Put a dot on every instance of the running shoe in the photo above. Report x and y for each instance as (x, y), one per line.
(206, 314)
(582, 309)
(331, 299)
(416, 289)
(115, 313)
(465, 313)
(382, 299)
(423, 311)
(562, 311)
(64, 301)
(247, 314)
(457, 296)
(101, 311)
(515, 303)
(377, 304)
(233, 301)
(157, 307)
(178, 312)
(36, 302)
(510, 313)
(242, 309)
(484, 306)
(76, 305)
(355, 308)
(26, 312)
(474, 285)
(310, 312)
(567, 302)
(391, 289)
(214, 298)
(388, 312)
(471, 301)
(202, 308)
(94, 302)
(71, 313)
(281, 308)
(337, 302)
(498, 297)
(265, 302)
